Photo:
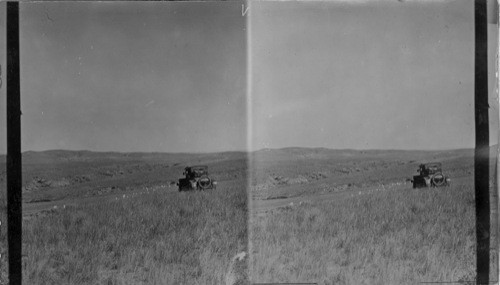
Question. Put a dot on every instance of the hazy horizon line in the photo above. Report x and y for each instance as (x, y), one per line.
(244, 151)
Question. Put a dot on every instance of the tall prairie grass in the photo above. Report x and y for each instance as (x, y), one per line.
(160, 238)
(388, 237)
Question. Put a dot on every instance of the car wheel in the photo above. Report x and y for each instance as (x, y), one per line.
(204, 182)
(438, 180)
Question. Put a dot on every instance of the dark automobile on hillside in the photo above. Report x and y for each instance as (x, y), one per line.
(430, 175)
(196, 178)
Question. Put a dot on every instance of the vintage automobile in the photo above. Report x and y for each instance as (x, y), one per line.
(196, 178)
(430, 175)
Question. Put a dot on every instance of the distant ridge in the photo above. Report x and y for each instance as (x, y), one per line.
(299, 153)
(64, 151)
(61, 154)
(347, 150)
(71, 156)
(321, 152)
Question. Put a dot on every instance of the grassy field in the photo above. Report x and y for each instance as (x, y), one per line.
(112, 218)
(352, 217)
(123, 224)
(159, 238)
(389, 237)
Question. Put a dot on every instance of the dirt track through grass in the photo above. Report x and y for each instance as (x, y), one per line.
(36, 207)
(260, 207)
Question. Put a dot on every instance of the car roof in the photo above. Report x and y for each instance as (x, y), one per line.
(197, 167)
(432, 164)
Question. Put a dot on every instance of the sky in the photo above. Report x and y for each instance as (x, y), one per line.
(364, 74)
(172, 76)
(131, 76)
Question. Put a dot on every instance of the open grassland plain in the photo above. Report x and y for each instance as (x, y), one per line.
(108, 218)
(351, 217)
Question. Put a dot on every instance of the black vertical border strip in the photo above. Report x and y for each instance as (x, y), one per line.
(14, 169)
(481, 152)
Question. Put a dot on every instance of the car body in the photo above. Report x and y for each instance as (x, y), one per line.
(430, 175)
(196, 178)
